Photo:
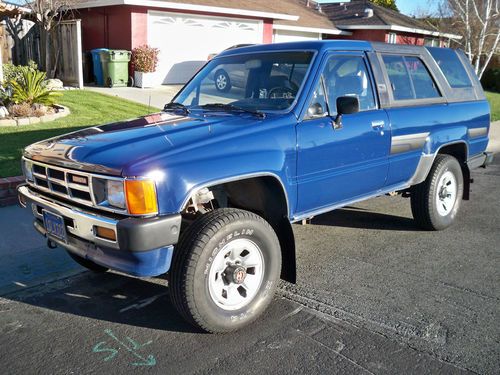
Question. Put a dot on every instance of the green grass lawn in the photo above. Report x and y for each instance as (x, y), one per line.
(494, 99)
(87, 109)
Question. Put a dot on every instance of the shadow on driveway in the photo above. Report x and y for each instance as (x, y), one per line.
(355, 217)
(109, 297)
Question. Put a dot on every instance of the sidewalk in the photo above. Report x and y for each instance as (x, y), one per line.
(494, 144)
(155, 97)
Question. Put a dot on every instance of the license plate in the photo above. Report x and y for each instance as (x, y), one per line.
(54, 225)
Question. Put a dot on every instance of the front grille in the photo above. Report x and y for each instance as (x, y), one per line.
(62, 182)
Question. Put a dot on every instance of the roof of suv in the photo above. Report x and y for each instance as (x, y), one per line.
(304, 45)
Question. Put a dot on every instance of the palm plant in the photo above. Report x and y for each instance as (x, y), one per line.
(31, 89)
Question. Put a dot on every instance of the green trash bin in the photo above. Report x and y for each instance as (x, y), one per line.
(115, 67)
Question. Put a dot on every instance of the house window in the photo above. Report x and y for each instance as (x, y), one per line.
(392, 38)
(431, 42)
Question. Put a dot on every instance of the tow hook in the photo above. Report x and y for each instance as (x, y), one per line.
(51, 244)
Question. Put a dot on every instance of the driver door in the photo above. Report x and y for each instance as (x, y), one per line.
(339, 164)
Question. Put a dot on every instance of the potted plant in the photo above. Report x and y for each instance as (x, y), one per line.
(144, 61)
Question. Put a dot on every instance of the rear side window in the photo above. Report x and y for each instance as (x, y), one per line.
(409, 78)
(451, 66)
(422, 81)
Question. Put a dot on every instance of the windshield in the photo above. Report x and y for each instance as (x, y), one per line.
(254, 82)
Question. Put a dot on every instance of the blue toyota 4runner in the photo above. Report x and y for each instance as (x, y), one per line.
(207, 189)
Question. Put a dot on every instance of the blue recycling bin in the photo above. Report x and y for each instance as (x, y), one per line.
(96, 63)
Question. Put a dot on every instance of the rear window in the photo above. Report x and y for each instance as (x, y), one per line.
(409, 78)
(451, 66)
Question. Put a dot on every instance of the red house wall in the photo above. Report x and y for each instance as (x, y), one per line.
(409, 38)
(106, 27)
(371, 35)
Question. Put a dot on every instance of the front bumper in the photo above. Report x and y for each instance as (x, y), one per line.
(143, 246)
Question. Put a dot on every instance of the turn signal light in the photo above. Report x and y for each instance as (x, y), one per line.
(106, 233)
(141, 197)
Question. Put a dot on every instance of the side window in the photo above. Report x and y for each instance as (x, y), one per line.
(422, 80)
(399, 77)
(409, 78)
(451, 66)
(348, 76)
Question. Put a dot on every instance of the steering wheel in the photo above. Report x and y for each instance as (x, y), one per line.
(281, 93)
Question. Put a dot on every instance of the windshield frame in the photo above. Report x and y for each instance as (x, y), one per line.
(291, 107)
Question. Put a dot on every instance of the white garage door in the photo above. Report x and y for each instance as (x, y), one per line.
(282, 36)
(185, 41)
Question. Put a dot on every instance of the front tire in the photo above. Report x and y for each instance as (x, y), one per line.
(436, 201)
(225, 270)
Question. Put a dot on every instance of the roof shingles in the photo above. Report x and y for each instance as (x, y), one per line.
(353, 14)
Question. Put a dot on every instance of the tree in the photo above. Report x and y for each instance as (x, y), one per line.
(477, 21)
(390, 4)
(48, 14)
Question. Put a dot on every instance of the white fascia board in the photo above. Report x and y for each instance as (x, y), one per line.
(398, 28)
(311, 29)
(186, 6)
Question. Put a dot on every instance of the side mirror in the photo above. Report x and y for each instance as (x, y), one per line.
(346, 105)
(315, 110)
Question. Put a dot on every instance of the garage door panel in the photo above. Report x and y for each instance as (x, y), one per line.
(185, 41)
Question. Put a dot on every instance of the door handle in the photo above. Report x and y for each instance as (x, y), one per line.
(378, 125)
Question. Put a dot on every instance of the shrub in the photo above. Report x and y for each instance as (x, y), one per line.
(13, 72)
(145, 58)
(31, 88)
(21, 110)
(491, 80)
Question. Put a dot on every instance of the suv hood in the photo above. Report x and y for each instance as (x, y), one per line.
(114, 148)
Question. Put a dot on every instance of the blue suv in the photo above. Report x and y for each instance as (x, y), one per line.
(207, 189)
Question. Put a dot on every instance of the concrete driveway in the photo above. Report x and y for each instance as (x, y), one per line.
(155, 97)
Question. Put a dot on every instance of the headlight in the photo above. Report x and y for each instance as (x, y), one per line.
(115, 194)
(28, 170)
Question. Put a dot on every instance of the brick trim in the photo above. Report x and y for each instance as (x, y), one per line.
(8, 190)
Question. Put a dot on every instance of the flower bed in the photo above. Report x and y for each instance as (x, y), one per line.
(28, 97)
(55, 112)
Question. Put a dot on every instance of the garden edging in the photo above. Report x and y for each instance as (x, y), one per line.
(62, 111)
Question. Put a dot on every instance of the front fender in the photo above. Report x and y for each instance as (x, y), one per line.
(267, 149)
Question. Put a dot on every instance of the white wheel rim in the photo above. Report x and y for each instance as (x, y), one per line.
(228, 264)
(446, 193)
(221, 82)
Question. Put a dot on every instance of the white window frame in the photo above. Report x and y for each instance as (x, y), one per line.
(392, 38)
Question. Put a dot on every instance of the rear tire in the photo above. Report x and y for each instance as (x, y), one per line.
(225, 270)
(436, 201)
(88, 264)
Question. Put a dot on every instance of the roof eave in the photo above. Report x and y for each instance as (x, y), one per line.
(186, 7)
(399, 28)
(319, 30)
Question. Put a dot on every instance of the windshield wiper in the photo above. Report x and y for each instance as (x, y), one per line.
(231, 107)
(174, 106)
